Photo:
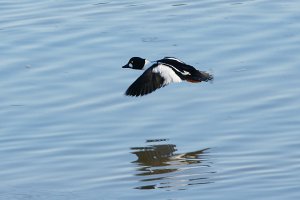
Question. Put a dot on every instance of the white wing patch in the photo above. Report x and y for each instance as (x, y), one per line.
(183, 73)
(186, 73)
(167, 73)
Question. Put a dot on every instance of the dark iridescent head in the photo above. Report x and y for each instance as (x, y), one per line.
(135, 63)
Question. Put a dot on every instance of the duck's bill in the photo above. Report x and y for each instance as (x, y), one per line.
(126, 66)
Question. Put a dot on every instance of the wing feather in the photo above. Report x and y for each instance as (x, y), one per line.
(145, 84)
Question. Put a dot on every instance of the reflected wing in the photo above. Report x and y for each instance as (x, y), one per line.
(145, 84)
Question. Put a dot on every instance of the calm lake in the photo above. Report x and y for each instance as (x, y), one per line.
(67, 131)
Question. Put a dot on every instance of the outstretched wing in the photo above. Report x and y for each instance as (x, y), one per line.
(146, 83)
(157, 76)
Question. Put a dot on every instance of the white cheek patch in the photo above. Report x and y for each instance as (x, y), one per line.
(167, 73)
(130, 65)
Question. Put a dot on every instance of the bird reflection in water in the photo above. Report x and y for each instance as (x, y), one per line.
(160, 167)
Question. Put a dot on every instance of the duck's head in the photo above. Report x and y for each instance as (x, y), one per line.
(136, 63)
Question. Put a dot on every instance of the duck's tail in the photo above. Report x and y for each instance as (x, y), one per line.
(204, 76)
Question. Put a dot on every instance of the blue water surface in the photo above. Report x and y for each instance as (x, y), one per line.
(68, 132)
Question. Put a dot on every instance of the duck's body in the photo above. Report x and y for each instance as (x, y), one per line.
(161, 73)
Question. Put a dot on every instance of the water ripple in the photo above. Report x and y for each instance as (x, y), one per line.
(67, 129)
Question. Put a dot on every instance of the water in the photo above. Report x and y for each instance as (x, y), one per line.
(68, 132)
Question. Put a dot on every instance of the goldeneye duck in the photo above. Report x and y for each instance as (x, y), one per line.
(161, 73)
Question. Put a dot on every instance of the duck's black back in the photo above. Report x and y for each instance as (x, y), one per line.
(180, 65)
(194, 74)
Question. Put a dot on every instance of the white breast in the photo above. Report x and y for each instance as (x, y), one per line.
(167, 73)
